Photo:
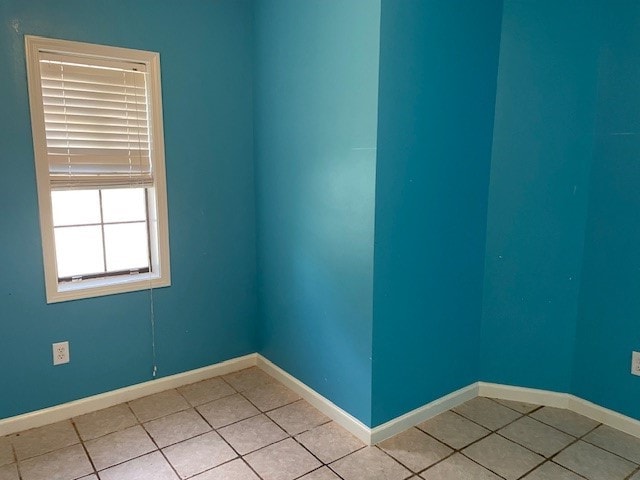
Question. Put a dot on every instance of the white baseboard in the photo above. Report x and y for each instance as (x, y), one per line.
(326, 406)
(522, 394)
(356, 427)
(114, 397)
(562, 400)
(399, 424)
(424, 413)
(604, 415)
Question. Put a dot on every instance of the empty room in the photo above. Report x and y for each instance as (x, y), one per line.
(319, 240)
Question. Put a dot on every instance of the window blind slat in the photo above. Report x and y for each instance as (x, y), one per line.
(84, 182)
(92, 87)
(78, 145)
(129, 106)
(99, 169)
(113, 158)
(93, 120)
(85, 136)
(125, 113)
(86, 95)
(89, 74)
(96, 123)
(97, 129)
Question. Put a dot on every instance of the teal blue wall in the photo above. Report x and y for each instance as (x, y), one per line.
(542, 147)
(608, 322)
(438, 63)
(209, 313)
(360, 109)
(316, 93)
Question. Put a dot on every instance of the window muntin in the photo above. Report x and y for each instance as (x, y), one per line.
(109, 229)
(99, 151)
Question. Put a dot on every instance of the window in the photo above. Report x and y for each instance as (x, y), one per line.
(96, 117)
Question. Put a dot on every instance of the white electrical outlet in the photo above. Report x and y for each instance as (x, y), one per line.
(635, 363)
(60, 353)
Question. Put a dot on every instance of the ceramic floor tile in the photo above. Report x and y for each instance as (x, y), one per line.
(458, 467)
(329, 442)
(323, 473)
(552, 471)
(113, 419)
(503, 457)
(487, 413)
(565, 420)
(206, 391)
(593, 462)
(44, 439)
(9, 472)
(199, 454)
(370, 463)
(270, 395)
(536, 436)
(284, 460)
(521, 407)
(454, 430)
(415, 449)
(615, 441)
(149, 467)
(66, 463)
(234, 470)
(119, 447)
(227, 410)
(6, 451)
(176, 427)
(252, 434)
(297, 417)
(248, 378)
(158, 405)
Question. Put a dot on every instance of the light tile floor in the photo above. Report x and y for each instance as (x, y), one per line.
(247, 426)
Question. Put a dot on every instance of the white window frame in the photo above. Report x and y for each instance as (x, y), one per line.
(160, 275)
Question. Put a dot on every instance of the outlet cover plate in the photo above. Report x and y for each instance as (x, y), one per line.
(60, 353)
(635, 363)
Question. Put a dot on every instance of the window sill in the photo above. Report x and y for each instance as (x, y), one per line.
(99, 287)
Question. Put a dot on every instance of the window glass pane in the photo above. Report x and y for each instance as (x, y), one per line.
(75, 207)
(126, 246)
(123, 205)
(79, 251)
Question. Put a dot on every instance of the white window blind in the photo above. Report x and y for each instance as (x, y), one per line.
(96, 117)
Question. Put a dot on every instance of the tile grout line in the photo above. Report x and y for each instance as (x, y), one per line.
(261, 412)
(238, 455)
(491, 432)
(459, 450)
(14, 452)
(550, 458)
(577, 439)
(213, 429)
(289, 436)
(265, 413)
(631, 475)
(314, 455)
(153, 440)
(84, 448)
(194, 408)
